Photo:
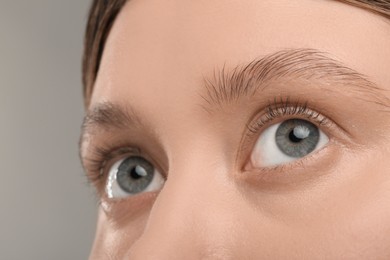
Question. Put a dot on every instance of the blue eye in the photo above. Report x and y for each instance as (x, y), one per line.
(131, 176)
(287, 141)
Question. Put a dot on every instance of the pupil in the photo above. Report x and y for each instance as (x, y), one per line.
(136, 173)
(293, 138)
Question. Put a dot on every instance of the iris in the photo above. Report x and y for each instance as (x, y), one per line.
(297, 137)
(135, 174)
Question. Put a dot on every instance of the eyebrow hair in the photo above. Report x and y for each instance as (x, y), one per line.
(107, 115)
(227, 86)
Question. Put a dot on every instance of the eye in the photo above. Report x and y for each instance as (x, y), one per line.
(131, 176)
(287, 141)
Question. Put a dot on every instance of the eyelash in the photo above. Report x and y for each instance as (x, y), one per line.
(102, 155)
(280, 108)
(276, 109)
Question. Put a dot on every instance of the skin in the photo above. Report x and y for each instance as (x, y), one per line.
(332, 204)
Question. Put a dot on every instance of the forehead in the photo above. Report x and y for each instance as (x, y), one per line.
(160, 51)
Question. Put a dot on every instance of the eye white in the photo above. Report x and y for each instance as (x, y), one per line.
(114, 189)
(267, 153)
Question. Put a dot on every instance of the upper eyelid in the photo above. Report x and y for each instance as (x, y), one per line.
(284, 108)
(100, 157)
(287, 108)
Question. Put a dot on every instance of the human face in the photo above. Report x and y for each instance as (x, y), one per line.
(205, 92)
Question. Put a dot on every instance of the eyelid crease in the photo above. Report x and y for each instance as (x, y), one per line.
(280, 108)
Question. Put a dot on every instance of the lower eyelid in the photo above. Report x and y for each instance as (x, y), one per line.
(119, 211)
(292, 175)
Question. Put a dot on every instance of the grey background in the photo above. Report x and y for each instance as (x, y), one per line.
(47, 209)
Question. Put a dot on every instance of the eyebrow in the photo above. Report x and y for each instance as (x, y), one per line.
(108, 116)
(227, 86)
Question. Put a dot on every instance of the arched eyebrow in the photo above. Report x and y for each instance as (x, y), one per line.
(108, 115)
(226, 86)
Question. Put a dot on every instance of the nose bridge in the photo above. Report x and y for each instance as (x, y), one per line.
(189, 218)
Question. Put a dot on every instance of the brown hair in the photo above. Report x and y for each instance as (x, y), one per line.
(102, 16)
(100, 20)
